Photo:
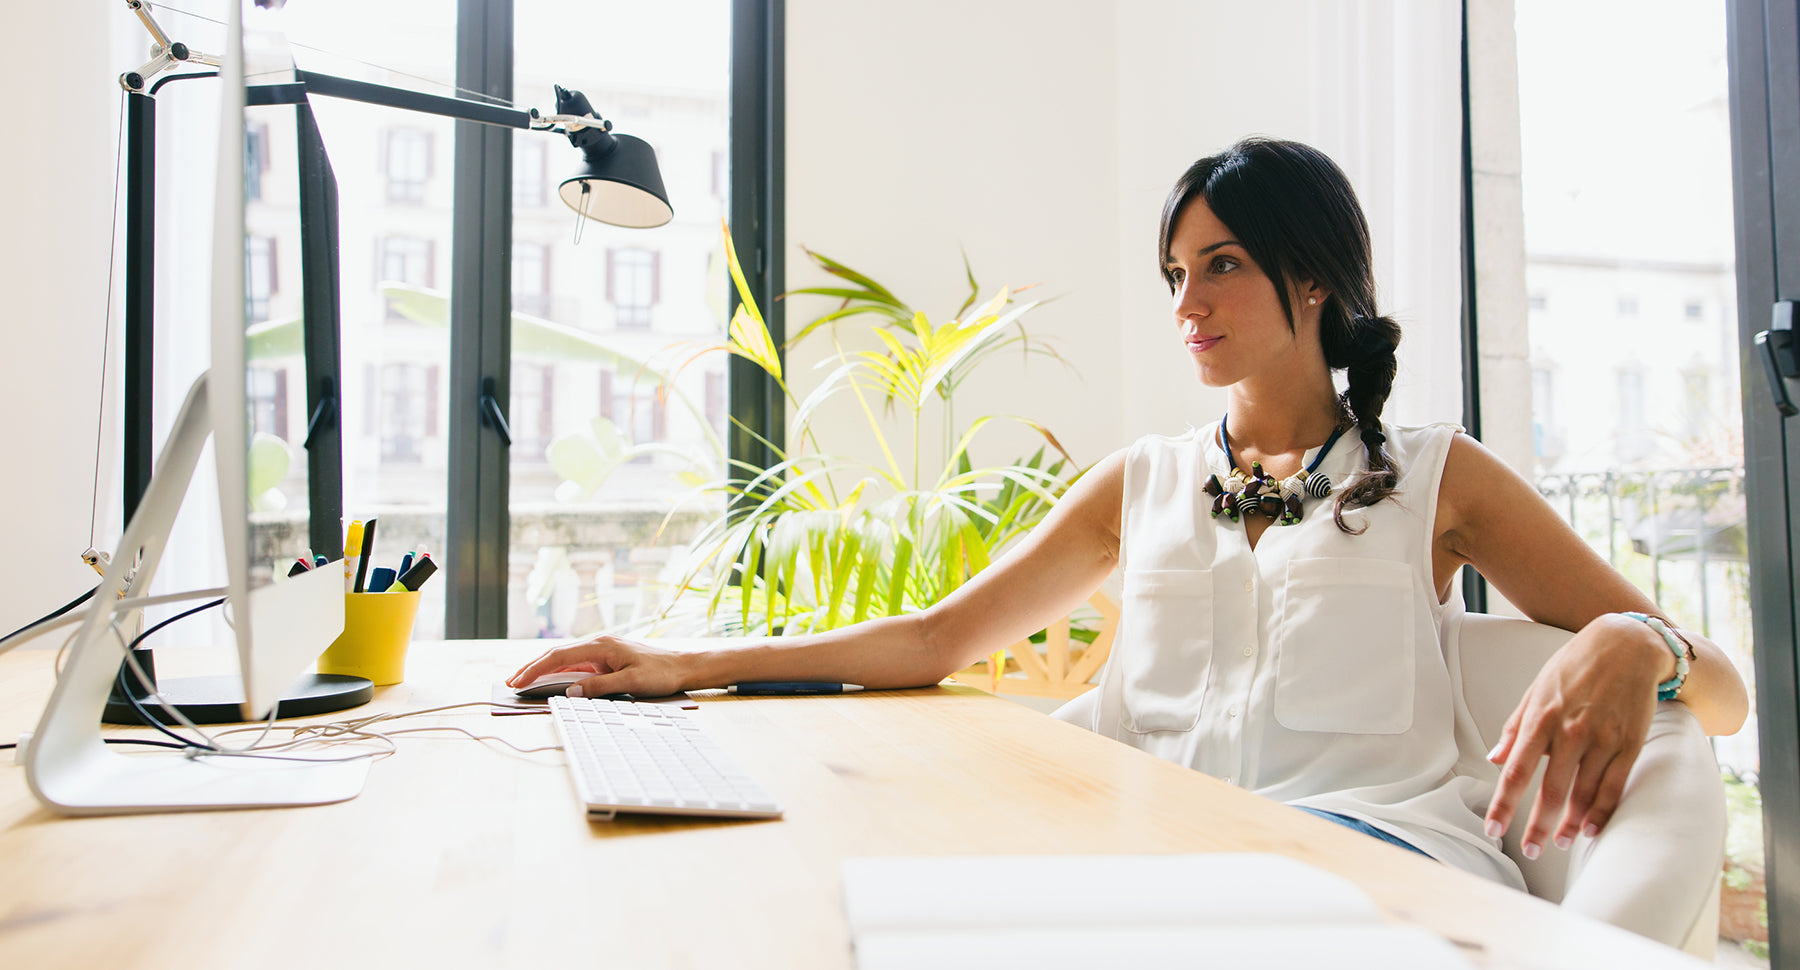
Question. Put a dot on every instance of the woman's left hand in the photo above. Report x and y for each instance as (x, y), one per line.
(1589, 710)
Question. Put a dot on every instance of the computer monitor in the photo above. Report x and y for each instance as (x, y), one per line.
(280, 628)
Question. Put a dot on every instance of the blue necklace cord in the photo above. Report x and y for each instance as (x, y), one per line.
(1260, 494)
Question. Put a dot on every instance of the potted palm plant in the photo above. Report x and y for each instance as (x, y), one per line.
(819, 539)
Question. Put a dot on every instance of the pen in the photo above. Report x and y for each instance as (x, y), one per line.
(367, 553)
(792, 687)
(299, 566)
(352, 548)
(406, 562)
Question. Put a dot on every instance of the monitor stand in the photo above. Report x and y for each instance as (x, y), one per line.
(69, 767)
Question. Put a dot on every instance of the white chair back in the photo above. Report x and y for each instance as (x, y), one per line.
(1655, 869)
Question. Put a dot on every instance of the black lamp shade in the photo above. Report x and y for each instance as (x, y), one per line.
(621, 187)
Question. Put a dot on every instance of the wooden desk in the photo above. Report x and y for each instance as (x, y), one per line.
(462, 855)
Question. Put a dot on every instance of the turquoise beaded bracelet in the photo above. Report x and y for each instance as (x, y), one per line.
(1668, 689)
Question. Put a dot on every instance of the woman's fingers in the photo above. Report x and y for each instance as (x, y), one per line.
(1553, 793)
(1612, 789)
(1515, 775)
(592, 654)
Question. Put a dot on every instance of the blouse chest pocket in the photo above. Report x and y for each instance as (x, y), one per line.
(1165, 662)
(1345, 657)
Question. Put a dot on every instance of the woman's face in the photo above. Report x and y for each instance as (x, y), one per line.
(1228, 313)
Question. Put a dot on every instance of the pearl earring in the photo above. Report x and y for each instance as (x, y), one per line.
(1312, 301)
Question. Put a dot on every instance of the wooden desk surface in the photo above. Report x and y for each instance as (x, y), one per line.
(459, 854)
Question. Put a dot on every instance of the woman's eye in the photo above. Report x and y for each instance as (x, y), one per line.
(1176, 274)
(1224, 264)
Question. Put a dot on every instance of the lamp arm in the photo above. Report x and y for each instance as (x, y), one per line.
(165, 52)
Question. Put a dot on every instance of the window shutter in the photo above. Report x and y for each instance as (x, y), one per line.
(655, 277)
(371, 400)
(547, 406)
(606, 395)
(431, 401)
(281, 404)
(612, 271)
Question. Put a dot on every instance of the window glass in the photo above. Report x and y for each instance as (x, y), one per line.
(393, 172)
(611, 423)
(1630, 266)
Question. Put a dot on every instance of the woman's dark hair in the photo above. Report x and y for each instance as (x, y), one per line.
(1297, 216)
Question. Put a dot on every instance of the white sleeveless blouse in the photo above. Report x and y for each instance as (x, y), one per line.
(1308, 670)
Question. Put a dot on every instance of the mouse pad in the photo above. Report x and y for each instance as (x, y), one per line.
(504, 695)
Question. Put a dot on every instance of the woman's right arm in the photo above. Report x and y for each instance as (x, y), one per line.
(1051, 572)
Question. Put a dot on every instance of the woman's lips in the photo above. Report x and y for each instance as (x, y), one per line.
(1200, 345)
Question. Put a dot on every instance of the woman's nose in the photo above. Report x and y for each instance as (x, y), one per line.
(1189, 306)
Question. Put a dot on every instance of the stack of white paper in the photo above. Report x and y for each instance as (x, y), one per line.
(1223, 910)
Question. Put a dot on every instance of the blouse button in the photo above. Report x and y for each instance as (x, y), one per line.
(1249, 651)
(1232, 712)
(1249, 585)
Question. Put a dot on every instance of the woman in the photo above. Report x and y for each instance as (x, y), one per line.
(1287, 570)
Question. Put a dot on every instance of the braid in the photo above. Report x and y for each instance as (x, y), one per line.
(1370, 366)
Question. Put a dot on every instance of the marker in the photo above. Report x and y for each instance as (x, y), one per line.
(319, 561)
(299, 566)
(406, 562)
(414, 577)
(367, 553)
(352, 548)
(793, 687)
(380, 578)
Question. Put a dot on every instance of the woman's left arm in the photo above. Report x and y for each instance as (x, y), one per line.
(1590, 707)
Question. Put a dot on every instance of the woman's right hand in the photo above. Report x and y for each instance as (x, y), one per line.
(618, 665)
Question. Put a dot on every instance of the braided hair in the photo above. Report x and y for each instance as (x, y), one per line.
(1298, 218)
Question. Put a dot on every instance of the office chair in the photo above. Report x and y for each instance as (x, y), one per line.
(1655, 869)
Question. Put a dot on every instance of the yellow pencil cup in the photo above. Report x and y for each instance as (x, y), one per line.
(377, 631)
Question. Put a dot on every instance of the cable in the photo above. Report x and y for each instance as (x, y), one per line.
(124, 688)
(77, 601)
(106, 333)
(60, 618)
(142, 741)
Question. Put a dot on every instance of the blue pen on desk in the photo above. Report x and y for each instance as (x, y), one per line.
(772, 687)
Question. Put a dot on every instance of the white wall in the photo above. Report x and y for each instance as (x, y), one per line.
(61, 106)
(1043, 137)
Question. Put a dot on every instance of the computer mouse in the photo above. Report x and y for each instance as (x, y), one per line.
(552, 685)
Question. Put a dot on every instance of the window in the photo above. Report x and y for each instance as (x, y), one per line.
(720, 176)
(268, 401)
(1633, 438)
(405, 259)
(631, 286)
(408, 164)
(531, 278)
(715, 399)
(259, 276)
(1539, 301)
(1628, 305)
(533, 414)
(531, 184)
(256, 160)
(1696, 410)
(407, 411)
(1693, 310)
(1546, 432)
(636, 409)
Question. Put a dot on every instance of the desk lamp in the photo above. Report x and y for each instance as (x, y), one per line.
(618, 183)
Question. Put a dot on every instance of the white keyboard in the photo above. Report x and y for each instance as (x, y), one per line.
(627, 756)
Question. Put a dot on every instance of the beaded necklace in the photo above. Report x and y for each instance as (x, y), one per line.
(1259, 494)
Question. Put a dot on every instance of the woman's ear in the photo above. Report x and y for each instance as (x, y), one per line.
(1312, 294)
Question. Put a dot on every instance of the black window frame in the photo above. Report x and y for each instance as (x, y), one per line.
(478, 524)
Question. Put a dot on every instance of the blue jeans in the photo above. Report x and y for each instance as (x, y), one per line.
(1365, 828)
